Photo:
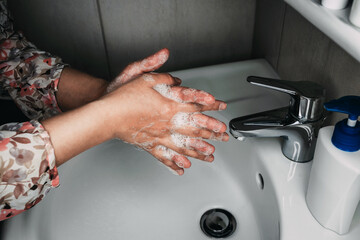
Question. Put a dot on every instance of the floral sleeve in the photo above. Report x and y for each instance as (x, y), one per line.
(29, 75)
(27, 167)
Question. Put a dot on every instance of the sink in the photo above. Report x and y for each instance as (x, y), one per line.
(114, 191)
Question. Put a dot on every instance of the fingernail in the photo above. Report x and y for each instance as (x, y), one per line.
(222, 106)
(218, 127)
(209, 158)
(207, 151)
(179, 164)
(225, 137)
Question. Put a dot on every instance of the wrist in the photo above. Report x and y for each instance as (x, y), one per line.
(75, 89)
(76, 131)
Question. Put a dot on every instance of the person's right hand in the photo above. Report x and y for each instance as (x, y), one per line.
(146, 109)
(169, 125)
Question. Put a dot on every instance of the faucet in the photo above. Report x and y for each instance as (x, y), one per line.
(298, 124)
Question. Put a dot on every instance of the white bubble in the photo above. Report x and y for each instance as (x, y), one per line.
(165, 90)
(182, 119)
(166, 152)
(148, 78)
(179, 140)
(163, 56)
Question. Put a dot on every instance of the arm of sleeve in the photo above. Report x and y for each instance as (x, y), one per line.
(29, 75)
(27, 167)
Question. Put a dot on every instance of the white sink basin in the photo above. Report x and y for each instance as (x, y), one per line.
(114, 191)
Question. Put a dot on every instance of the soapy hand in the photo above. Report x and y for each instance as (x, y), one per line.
(162, 117)
(136, 69)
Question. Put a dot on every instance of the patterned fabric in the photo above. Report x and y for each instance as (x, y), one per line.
(29, 75)
(27, 160)
(27, 167)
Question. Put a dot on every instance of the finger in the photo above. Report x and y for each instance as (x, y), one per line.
(135, 69)
(217, 106)
(160, 153)
(201, 146)
(180, 160)
(189, 147)
(154, 61)
(150, 77)
(210, 123)
(185, 119)
(194, 107)
(163, 79)
(203, 133)
(148, 64)
(192, 95)
(186, 95)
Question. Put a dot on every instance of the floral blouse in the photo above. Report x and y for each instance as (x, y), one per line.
(27, 159)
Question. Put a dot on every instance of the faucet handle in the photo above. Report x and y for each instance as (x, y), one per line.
(307, 98)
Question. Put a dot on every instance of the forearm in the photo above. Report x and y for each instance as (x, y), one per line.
(76, 89)
(76, 131)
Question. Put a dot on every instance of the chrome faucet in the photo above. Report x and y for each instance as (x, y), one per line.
(298, 125)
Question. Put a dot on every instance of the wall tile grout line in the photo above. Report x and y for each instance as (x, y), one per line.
(281, 39)
(104, 39)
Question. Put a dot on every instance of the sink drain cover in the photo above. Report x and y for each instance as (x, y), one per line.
(218, 223)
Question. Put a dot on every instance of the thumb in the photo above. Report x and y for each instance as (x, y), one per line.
(148, 64)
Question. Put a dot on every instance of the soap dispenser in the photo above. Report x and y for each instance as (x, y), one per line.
(333, 192)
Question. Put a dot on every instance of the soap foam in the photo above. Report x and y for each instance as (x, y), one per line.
(217, 138)
(201, 146)
(222, 106)
(180, 140)
(147, 145)
(165, 90)
(169, 154)
(163, 57)
(113, 85)
(183, 119)
(148, 78)
(166, 152)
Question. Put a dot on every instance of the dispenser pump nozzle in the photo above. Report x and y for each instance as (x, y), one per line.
(346, 134)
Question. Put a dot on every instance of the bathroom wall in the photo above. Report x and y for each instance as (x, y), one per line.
(69, 29)
(299, 51)
(102, 36)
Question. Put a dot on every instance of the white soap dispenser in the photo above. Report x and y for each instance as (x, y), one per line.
(334, 186)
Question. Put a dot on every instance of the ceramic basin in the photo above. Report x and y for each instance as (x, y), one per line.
(114, 191)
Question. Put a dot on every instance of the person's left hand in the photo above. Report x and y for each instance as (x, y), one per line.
(138, 68)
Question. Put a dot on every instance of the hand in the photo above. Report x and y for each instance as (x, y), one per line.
(136, 69)
(159, 116)
(149, 110)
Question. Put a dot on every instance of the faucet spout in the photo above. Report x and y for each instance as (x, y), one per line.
(299, 139)
(298, 124)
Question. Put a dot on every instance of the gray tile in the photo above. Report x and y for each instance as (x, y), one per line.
(197, 33)
(308, 54)
(67, 28)
(269, 20)
(304, 49)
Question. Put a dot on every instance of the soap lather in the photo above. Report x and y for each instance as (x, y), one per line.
(334, 186)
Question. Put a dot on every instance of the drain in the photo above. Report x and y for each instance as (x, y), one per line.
(218, 223)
